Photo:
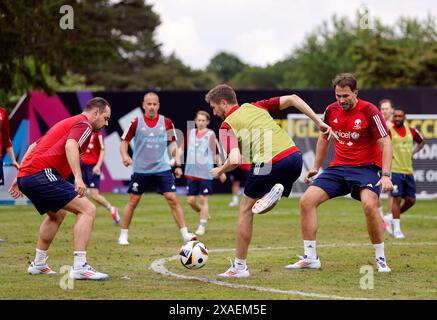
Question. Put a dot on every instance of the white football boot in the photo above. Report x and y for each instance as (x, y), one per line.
(269, 200)
(40, 268)
(87, 273)
(382, 265)
(305, 263)
(233, 272)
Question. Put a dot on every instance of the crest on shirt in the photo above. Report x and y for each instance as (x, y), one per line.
(357, 124)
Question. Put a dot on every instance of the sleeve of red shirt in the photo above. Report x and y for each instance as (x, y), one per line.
(6, 139)
(228, 140)
(171, 131)
(129, 133)
(376, 122)
(81, 132)
(269, 105)
(417, 137)
(326, 115)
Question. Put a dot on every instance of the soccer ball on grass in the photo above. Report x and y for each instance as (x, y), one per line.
(193, 255)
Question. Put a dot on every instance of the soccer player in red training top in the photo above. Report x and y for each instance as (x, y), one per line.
(91, 165)
(151, 164)
(357, 160)
(404, 187)
(249, 132)
(41, 177)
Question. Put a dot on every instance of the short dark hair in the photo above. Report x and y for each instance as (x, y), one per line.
(386, 101)
(400, 109)
(222, 91)
(345, 80)
(97, 102)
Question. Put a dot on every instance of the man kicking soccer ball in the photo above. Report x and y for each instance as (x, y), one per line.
(276, 161)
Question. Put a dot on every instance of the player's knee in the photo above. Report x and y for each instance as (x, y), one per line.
(410, 200)
(191, 201)
(90, 210)
(369, 207)
(306, 203)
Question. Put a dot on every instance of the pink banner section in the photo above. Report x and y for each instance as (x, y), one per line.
(48, 110)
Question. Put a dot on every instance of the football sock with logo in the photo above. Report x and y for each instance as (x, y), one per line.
(202, 223)
(240, 264)
(310, 249)
(79, 259)
(40, 256)
(379, 250)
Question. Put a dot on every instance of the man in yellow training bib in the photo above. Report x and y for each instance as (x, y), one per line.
(249, 132)
(404, 187)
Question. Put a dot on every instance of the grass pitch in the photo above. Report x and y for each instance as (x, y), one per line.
(343, 246)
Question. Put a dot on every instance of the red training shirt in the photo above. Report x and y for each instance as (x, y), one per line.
(50, 149)
(358, 131)
(92, 152)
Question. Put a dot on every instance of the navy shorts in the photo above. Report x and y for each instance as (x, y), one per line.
(239, 175)
(90, 180)
(403, 185)
(160, 182)
(196, 187)
(341, 180)
(2, 177)
(286, 171)
(47, 190)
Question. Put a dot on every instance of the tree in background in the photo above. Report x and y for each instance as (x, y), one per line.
(403, 55)
(225, 66)
(111, 47)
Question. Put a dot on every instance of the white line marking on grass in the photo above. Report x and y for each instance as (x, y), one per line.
(159, 267)
(419, 217)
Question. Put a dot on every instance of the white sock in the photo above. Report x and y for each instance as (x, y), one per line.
(40, 256)
(379, 250)
(235, 199)
(240, 264)
(390, 216)
(396, 225)
(309, 247)
(79, 259)
(202, 223)
(123, 233)
(109, 207)
(184, 232)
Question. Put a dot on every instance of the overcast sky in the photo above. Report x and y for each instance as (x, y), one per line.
(260, 32)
